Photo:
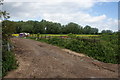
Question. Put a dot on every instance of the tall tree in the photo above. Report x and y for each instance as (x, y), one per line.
(94, 30)
(106, 31)
(72, 28)
(39, 27)
(87, 29)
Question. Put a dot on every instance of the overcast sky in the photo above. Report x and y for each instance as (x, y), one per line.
(102, 14)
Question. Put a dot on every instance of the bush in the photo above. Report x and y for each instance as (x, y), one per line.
(103, 49)
(70, 35)
(8, 61)
(57, 41)
(74, 45)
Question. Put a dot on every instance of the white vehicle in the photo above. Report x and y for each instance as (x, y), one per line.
(24, 34)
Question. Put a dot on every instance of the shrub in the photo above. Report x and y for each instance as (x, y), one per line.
(8, 63)
(70, 35)
(57, 41)
(103, 49)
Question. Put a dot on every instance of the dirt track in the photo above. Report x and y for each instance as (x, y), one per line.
(41, 60)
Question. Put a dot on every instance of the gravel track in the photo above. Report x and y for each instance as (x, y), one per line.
(42, 60)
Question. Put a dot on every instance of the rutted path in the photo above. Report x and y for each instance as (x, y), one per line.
(41, 60)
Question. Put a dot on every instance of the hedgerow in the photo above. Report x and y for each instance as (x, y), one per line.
(8, 60)
(8, 63)
(103, 49)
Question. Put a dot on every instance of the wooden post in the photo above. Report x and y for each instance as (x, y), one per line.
(8, 45)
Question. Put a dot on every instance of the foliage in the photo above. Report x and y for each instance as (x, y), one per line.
(106, 31)
(8, 63)
(7, 29)
(8, 58)
(72, 28)
(71, 35)
(56, 41)
(88, 30)
(47, 27)
(103, 49)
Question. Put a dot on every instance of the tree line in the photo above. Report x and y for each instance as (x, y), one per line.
(47, 27)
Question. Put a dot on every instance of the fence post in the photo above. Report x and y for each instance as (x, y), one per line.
(8, 45)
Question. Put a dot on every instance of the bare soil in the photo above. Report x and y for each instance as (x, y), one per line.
(42, 60)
